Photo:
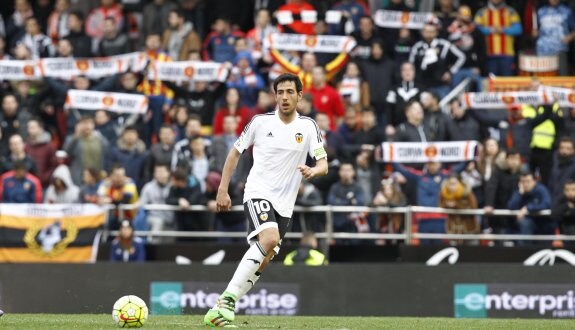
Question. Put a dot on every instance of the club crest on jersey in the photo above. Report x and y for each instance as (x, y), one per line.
(263, 216)
(298, 137)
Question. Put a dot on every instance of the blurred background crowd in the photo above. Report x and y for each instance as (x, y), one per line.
(390, 87)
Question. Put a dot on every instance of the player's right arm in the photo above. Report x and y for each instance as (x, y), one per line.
(246, 139)
(223, 201)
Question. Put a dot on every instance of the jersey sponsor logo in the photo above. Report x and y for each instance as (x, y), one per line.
(298, 137)
(270, 135)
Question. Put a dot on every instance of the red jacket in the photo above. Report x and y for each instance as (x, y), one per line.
(327, 100)
(298, 26)
(43, 153)
(243, 115)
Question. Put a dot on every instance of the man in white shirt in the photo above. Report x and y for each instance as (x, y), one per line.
(281, 142)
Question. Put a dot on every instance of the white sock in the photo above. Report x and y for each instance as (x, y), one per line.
(247, 268)
(249, 284)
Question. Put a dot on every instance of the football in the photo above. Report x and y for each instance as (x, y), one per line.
(130, 312)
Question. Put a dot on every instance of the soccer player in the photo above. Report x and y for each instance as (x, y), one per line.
(282, 140)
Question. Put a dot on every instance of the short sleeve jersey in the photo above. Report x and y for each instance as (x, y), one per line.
(278, 149)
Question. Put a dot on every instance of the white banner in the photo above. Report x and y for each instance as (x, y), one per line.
(18, 70)
(401, 19)
(115, 102)
(188, 71)
(564, 96)
(68, 68)
(309, 43)
(134, 62)
(423, 152)
(505, 100)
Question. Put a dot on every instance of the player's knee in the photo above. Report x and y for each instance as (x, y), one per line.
(269, 241)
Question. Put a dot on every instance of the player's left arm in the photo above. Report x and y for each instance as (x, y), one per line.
(316, 151)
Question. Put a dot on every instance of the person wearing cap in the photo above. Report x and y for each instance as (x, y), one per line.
(127, 247)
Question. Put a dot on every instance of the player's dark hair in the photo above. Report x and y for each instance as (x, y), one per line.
(287, 77)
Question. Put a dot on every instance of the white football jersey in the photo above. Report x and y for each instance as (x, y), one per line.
(278, 150)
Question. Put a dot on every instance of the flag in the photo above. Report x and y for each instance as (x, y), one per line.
(506, 100)
(50, 232)
(394, 19)
(423, 152)
(309, 43)
(188, 71)
(68, 68)
(115, 102)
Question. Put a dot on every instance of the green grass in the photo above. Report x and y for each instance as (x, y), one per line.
(67, 321)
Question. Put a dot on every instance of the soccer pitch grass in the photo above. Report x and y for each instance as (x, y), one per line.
(100, 321)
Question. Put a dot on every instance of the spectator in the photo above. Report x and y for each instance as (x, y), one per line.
(352, 11)
(222, 144)
(89, 189)
(389, 195)
(62, 190)
(96, 20)
(42, 10)
(196, 160)
(19, 186)
(86, 148)
(564, 211)
(353, 87)
(200, 101)
(326, 98)
(295, 7)
(555, 30)
(113, 42)
(462, 125)
(131, 153)
(365, 36)
(232, 107)
(181, 148)
(456, 195)
(15, 24)
(118, 189)
(367, 175)
(399, 95)
(38, 43)
(569, 123)
(3, 54)
(58, 21)
(531, 197)
(308, 195)
(349, 193)
(219, 44)
(127, 247)
(498, 191)
(179, 119)
(465, 35)
(563, 168)
(17, 153)
(156, 192)
(436, 60)
(437, 121)
(446, 13)
(308, 63)
(428, 189)
(64, 49)
(491, 158)
(414, 129)
(179, 39)
(245, 79)
(305, 106)
(349, 127)
(396, 37)
(266, 103)
(160, 97)
(370, 136)
(156, 17)
(81, 42)
(500, 24)
(105, 126)
(307, 253)
(186, 191)
(262, 30)
(161, 152)
(378, 70)
(40, 149)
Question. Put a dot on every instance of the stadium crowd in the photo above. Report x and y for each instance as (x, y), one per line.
(388, 88)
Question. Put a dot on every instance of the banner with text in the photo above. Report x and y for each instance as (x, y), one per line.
(188, 71)
(309, 43)
(505, 100)
(422, 152)
(507, 84)
(401, 19)
(115, 102)
(18, 70)
(174, 298)
(49, 232)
